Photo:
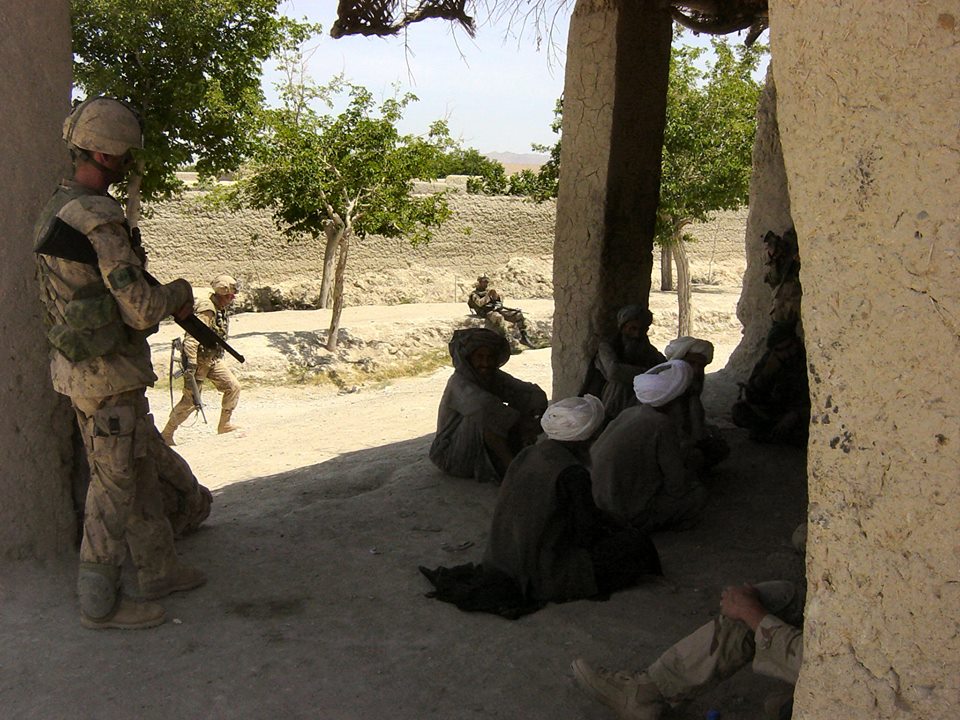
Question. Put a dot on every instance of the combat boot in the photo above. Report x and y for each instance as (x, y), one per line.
(225, 426)
(102, 606)
(632, 696)
(167, 434)
(180, 579)
(128, 615)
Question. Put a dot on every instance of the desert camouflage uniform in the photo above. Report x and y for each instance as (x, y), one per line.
(208, 364)
(486, 303)
(99, 317)
(718, 649)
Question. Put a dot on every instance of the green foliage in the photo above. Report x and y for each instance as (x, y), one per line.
(353, 169)
(540, 185)
(708, 139)
(192, 70)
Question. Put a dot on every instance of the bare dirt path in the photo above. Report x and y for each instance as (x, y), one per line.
(325, 504)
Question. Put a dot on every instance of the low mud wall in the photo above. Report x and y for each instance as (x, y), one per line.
(509, 238)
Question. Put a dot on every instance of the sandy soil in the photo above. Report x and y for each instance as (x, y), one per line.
(325, 504)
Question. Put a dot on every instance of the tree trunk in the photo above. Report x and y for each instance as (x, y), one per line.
(334, 233)
(666, 269)
(338, 290)
(684, 309)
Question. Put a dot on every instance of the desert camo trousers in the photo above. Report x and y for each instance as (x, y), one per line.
(124, 505)
(223, 380)
(717, 650)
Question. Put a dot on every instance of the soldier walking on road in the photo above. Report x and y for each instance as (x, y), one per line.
(207, 362)
(100, 308)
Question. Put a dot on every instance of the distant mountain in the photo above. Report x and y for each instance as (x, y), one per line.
(518, 161)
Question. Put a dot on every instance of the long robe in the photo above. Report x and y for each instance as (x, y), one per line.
(639, 473)
(470, 407)
(537, 535)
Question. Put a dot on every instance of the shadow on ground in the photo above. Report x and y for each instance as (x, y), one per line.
(315, 608)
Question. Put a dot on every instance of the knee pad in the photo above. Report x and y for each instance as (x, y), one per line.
(98, 586)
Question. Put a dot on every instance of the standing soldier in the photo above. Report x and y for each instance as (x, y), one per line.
(100, 309)
(207, 362)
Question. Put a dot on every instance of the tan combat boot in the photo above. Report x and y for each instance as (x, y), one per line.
(225, 425)
(128, 615)
(180, 579)
(167, 434)
(632, 696)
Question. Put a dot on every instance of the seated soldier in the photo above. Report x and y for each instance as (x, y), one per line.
(775, 402)
(487, 304)
(757, 624)
(620, 359)
(639, 466)
(547, 533)
(486, 416)
(690, 415)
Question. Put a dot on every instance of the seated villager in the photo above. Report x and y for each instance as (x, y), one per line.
(639, 465)
(547, 533)
(775, 402)
(689, 414)
(758, 625)
(548, 542)
(620, 359)
(486, 416)
(487, 304)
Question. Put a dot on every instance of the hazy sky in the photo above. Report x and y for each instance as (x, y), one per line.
(497, 91)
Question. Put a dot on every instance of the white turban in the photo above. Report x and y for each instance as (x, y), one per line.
(663, 383)
(573, 419)
(679, 348)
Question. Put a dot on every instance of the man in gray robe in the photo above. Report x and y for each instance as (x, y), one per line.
(621, 358)
(639, 471)
(486, 416)
(546, 532)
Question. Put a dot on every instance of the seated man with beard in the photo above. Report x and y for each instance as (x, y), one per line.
(486, 416)
(620, 359)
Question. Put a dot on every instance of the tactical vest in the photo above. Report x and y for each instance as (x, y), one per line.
(87, 324)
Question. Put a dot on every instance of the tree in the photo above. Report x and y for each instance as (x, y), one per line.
(343, 176)
(540, 185)
(707, 148)
(190, 68)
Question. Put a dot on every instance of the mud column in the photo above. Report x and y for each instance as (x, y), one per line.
(868, 105)
(615, 91)
(769, 210)
(36, 518)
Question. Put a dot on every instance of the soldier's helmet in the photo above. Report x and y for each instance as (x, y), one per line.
(103, 124)
(482, 278)
(224, 285)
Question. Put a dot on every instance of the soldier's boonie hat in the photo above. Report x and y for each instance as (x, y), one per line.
(103, 124)
(224, 285)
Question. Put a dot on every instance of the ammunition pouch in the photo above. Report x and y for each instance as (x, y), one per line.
(92, 325)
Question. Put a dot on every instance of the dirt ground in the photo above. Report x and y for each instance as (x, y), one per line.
(326, 503)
